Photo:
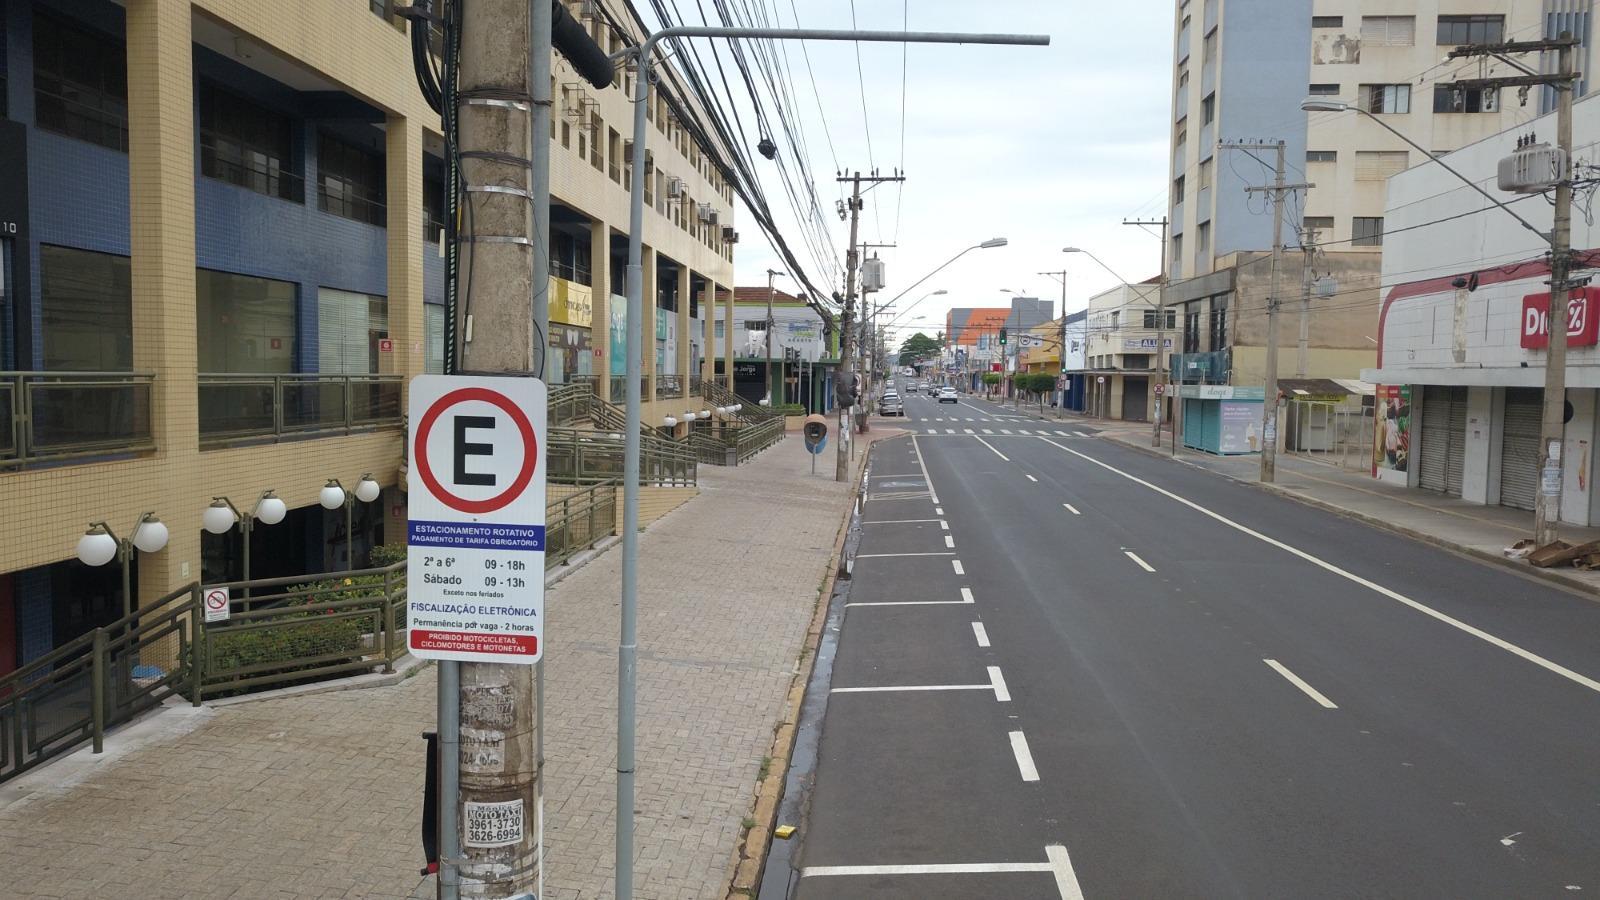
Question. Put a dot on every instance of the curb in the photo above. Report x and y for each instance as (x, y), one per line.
(1554, 576)
(750, 855)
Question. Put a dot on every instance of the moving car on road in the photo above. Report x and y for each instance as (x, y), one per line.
(890, 405)
(947, 395)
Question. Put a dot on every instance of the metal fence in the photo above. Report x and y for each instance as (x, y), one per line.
(668, 386)
(578, 521)
(743, 442)
(1338, 434)
(235, 407)
(588, 457)
(98, 680)
(46, 416)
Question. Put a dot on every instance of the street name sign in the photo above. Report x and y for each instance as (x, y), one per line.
(475, 560)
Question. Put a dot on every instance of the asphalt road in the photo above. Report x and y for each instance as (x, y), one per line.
(1072, 669)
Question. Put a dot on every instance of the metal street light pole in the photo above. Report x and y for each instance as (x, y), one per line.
(771, 290)
(627, 649)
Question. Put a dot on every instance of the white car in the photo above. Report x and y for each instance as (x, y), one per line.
(948, 395)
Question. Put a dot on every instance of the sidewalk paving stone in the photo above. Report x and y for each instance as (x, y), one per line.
(320, 795)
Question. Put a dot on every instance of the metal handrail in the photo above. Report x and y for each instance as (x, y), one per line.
(287, 405)
(586, 457)
(668, 387)
(104, 413)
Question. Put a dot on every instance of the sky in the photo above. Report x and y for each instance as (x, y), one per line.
(1045, 146)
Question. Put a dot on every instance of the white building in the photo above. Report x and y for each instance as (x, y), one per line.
(1122, 330)
(1460, 357)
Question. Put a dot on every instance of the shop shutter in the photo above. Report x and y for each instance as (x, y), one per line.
(342, 333)
(1519, 448)
(1135, 399)
(1443, 446)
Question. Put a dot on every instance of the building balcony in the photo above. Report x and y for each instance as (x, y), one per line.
(48, 417)
(251, 409)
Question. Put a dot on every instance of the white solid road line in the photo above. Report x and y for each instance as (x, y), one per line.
(908, 688)
(1019, 749)
(966, 595)
(1030, 477)
(894, 555)
(956, 563)
(1066, 878)
(900, 521)
(1059, 864)
(981, 633)
(1300, 683)
(1373, 586)
(932, 494)
(998, 682)
(991, 447)
(966, 600)
(949, 541)
(1135, 557)
(1072, 509)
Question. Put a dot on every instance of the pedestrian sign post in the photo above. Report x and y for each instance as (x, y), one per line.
(216, 602)
(475, 561)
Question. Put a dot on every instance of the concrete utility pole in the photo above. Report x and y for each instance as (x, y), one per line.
(771, 290)
(1161, 328)
(1308, 243)
(1269, 405)
(1552, 430)
(848, 349)
(1061, 351)
(494, 714)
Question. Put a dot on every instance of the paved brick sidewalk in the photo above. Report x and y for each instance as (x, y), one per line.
(320, 795)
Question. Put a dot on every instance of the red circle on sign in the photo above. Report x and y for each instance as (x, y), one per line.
(530, 455)
(215, 600)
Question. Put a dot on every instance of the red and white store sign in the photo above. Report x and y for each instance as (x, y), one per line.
(1583, 323)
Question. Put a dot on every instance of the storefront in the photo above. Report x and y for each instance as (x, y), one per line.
(571, 320)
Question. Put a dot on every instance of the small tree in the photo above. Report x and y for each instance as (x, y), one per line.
(990, 379)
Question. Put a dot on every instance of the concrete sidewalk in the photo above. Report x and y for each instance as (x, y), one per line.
(1482, 531)
(321, 795)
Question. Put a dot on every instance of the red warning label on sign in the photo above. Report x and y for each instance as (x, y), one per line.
(467, 642)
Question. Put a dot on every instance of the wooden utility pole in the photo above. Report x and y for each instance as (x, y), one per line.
(1552, 431)
(1269, 406)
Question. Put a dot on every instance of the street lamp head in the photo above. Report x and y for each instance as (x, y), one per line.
(992, 243)
(940, 292)
(271, 509)
(218, 517)
(367, 489)
(669, 422)
(332, 495)
(1322, 104)
(97, 547)
(1070, 250)
(150, 535)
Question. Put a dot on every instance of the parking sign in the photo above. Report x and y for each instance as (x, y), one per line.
(475, 573)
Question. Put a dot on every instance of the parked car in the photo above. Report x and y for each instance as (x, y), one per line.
(947, 395)
(890, 405)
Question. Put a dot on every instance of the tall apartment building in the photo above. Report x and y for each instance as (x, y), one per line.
(1241, 69)
(219, 263)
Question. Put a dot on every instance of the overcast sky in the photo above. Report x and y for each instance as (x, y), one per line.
(1047, 147)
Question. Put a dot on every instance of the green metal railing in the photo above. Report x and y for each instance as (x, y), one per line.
(52, 416)
(98, 680)
(570, 402)
(578, 521)
(745, 441)
(249, 407)
(750, 411)
(587, 457)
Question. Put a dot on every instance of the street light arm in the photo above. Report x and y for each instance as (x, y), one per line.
(1143, 295)
(1544, 236)
(913, 285)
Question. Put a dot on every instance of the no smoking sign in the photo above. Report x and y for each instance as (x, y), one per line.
(475, 574)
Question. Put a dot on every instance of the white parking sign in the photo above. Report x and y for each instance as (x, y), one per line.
(475, 572)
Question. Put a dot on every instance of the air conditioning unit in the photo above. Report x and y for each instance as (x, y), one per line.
(707, 214)
(729, 236)
(714, 217)
(1532, 169)
(572, 100)
(588, 9)
(674, 186)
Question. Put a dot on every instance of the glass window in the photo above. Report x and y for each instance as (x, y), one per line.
(1219, 323)
(247, 145)
(1449, 99)
(1322, 156)
(1325, 90)
(244, 324)
(433, 338)
(1389, 31)
(1208, 109)
(80, 80)
(1366, 231)
(349, 327)
(350, 181)
(1317, 226)
(1394, 99)
(87, 310)
(1327, 21)
(1457, 30)
(719, 329)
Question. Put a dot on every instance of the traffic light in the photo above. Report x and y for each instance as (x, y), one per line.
(1002, 337)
